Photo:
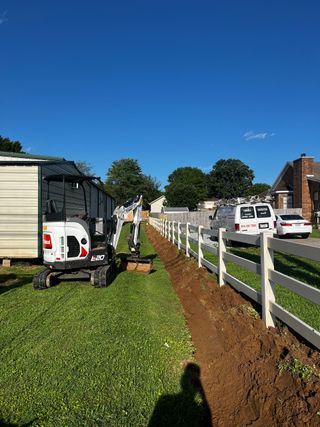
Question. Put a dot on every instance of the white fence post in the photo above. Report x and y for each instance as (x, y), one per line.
(173, 224)
(166, 228)
(200, 241)
(163, 224)
(179, 236)
(267, 286)
(221, 250)
(187, 239)
(169, 230)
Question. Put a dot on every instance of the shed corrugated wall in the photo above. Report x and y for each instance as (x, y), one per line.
(19, 211)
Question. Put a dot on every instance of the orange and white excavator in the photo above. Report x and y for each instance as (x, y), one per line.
(79, 242)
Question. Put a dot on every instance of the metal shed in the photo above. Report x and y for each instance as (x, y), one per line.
(23, 195)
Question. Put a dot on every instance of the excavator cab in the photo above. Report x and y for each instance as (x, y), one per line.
(78, 227)
(83, 214)
(81, 230)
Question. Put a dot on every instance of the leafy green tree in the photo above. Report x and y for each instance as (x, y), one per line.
(180, 194)
(257, 189)
(150, 189)
(11, 146)
(125, 180)
(229, 178)
(191, 182)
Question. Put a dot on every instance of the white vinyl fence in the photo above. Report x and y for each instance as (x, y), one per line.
(177, 233)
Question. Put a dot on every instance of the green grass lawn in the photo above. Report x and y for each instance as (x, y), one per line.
(315, 232)
(74, 355)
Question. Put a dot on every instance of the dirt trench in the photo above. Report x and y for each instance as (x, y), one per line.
(237, 355)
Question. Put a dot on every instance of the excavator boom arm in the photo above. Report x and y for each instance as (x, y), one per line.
(120, 212)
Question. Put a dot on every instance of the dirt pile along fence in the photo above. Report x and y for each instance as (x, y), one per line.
(176, 232)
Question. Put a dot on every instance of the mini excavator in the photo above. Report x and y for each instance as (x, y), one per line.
(81, 231)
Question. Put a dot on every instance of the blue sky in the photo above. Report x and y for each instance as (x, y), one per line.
(170, 83)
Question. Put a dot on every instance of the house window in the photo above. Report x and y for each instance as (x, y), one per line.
(316, 196)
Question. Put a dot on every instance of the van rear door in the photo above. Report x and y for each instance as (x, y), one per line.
(247, 222)
(264, 218)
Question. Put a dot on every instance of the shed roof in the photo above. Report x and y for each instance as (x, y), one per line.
(26, 156)
(159, 198)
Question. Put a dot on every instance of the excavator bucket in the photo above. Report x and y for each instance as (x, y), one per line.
(139, 265)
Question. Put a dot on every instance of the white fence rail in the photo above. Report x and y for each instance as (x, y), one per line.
(178, 233)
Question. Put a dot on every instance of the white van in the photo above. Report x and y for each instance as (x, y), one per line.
(244, 218)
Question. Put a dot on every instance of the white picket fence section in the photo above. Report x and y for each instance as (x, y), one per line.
(175, 232)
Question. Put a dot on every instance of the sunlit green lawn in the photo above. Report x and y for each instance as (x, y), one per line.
(315, 232)
(74, 355)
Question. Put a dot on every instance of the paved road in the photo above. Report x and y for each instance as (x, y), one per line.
(206, 239)
(314, 242)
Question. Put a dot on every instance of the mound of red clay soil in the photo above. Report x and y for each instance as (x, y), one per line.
(237, 355)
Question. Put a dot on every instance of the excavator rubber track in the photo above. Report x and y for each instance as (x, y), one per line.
(103, 276)
(43, 280)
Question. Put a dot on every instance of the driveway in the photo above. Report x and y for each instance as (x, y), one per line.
(311, 241)
(314, 242)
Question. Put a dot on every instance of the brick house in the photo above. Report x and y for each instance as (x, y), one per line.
(298, 186)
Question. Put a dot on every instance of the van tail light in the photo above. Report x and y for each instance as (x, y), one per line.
(307, 223)
(237, 227)
(47, 242)
(285, 224)
(274, 224)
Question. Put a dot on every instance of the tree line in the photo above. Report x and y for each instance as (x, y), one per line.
(10, 146)
(187, 186)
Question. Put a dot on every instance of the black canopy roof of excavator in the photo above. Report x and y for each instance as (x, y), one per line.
(70, 178)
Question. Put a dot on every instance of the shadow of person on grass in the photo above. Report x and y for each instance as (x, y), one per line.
(189, 408)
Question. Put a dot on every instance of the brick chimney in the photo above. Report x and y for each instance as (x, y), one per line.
(301, 193)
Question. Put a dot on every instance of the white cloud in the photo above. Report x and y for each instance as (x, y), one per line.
(250, 135)
(3, 17)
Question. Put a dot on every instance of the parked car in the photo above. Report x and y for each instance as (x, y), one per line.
(244, 218)
(293, 225)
